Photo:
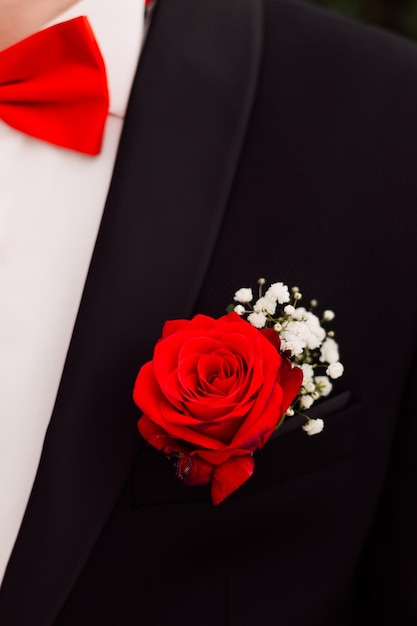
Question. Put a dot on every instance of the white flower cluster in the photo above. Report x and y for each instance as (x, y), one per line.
(313, 427)
(264, 306)
(302, 337)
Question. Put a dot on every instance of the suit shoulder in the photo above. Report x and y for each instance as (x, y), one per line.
(326, 34)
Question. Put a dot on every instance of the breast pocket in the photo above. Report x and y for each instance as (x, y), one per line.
(288, 454)
(291, 453)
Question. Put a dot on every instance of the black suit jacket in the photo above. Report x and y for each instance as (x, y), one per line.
(262, 139)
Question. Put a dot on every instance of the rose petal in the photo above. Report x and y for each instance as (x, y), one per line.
(157, 437)
(173, 326)
(180, 426)
(218, 457)
(291, 379)
(264, 417)
(223, 431)
(200, 472)
(273, 337)
(229, 476)
(147, 393)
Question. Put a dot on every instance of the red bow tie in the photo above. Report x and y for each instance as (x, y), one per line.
(53, 86)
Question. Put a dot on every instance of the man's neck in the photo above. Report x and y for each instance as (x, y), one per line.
(21, 18)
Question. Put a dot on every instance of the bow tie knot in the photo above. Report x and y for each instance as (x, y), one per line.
(53, 87)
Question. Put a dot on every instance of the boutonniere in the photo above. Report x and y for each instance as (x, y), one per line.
(216, 389)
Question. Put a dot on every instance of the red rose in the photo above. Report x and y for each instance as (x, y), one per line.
(213, 393)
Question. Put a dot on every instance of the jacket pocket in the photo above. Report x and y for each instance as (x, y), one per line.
(287, 455)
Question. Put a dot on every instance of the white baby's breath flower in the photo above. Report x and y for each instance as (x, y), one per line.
(329, 351)
(308, 373)
(314, 339)
(316, 334)
(310, 387)
(243, 295)
(328, 315)
(309, 327)
(323, 385)
(279, 292)
(265, 305)
(299, 313)
(289, 412)
(289, 309)
(306, 401)
(335, 370)
(257, 319)
(299, 329)
(239, 309)
(291, 343)
(313, 427)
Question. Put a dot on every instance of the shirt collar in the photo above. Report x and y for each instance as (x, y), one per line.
(118, 28)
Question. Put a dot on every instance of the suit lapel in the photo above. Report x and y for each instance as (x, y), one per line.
(183, 132)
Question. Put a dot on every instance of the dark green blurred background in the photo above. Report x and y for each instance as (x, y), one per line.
(394, 15)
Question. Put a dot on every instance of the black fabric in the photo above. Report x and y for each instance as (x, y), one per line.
(321, 192)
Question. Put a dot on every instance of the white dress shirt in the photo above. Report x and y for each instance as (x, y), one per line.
(51, 203)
